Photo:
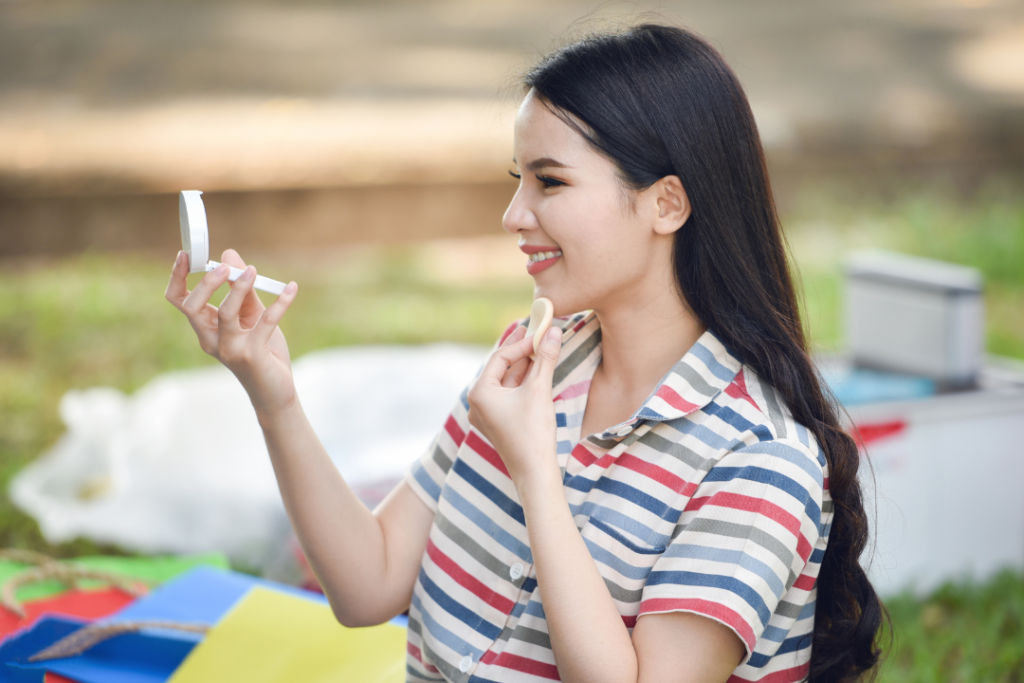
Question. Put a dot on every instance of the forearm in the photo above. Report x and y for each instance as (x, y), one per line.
(343, 540)
(588, 637)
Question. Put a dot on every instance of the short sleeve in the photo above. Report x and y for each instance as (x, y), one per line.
(426, 476)
(743, 539)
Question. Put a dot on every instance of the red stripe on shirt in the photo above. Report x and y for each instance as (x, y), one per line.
(468, 581)
(760, 506)
(573, 391)
(581, 453)
(738, 389)
(669, 396)
(455, 431)
(415, 652)
(486, 451)
(523, 664)
(805, 582)
(658, 474)
(706, 607)
(797, 673)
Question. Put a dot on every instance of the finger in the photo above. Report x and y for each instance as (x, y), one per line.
(251, 305)
(200, 296)
(516, 335)
(231, 257)
(504, 358)
(517, 370)
(177, 288)
(227, 318)
(272, 316)
(516, 373)
(547, 356)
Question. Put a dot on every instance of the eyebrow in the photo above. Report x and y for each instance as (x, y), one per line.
(543, 162)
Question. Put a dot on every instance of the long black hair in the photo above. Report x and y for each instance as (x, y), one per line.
(660, 101)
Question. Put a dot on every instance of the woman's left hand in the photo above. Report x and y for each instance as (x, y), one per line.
(511, 404)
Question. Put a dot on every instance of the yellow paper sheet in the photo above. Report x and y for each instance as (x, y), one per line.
(271, 637)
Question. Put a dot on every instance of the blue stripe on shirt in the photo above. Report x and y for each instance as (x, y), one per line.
(728, 583)
(490, 491)
(488, 525)
(457, 609)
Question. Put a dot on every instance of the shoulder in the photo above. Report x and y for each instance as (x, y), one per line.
(761, 416)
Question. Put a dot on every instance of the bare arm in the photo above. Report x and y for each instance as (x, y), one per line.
(366, 561)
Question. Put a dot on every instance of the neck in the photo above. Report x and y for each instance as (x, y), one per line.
(640, 343)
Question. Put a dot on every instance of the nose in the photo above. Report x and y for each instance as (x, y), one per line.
(519, 216)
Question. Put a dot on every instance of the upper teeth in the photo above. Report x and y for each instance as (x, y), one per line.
(544, 255)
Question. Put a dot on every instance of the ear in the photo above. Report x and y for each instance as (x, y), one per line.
(672, 203)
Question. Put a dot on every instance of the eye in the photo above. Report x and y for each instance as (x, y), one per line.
(515, 175)
(549, 182)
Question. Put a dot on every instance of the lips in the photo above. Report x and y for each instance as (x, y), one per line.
(542, 261)
(540, 257)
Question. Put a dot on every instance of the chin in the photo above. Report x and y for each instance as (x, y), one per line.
(564, 303)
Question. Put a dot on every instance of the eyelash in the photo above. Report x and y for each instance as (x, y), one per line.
(548, 182)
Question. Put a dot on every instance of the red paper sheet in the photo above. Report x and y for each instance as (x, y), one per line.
(91, 604)
(57, 678)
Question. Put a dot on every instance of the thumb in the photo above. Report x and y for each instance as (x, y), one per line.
(547, 354)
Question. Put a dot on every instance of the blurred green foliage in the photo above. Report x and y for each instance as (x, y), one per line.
(986, 233)
(964, 632)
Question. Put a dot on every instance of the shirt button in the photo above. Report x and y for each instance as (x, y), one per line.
(515, 571)
(465, 663)
(622, 431)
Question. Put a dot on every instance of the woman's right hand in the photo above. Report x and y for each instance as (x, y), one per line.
(242, 334)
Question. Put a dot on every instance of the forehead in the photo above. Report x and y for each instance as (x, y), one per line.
(539, 132)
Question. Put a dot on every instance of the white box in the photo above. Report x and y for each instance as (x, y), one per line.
(916, 316)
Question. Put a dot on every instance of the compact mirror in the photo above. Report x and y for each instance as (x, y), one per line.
(195, 241)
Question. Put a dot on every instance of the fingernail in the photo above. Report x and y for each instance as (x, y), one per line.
(553, 336)
(248, 274)
(177, 259)
(221, 269)
(290, 288)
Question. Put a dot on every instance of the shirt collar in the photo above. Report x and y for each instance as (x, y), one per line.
(700, 375)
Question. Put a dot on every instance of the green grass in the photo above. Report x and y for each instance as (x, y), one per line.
(962, 633)
(102, 320)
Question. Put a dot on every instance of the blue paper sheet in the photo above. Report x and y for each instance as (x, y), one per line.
(128, 658)
(200, 596)
(16, 649)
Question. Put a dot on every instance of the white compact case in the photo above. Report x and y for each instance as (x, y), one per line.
(916, 316)
(195, 242)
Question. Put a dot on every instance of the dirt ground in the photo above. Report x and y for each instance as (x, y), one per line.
(349, 121)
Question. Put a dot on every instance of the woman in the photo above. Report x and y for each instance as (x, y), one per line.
(665, 493)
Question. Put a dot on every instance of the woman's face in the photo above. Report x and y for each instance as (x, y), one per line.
(572, 204)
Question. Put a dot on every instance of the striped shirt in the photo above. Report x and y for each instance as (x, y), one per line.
(709, 499)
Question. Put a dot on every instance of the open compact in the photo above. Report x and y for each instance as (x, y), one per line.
(195, 241)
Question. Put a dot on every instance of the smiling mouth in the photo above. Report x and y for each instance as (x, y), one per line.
(542, 260)
(544, 256)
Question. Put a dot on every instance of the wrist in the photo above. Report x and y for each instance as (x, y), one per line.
(272, 417)
(540, 483)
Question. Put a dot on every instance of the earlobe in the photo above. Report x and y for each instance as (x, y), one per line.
(673, 205)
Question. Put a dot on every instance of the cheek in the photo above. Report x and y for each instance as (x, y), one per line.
(589, 232)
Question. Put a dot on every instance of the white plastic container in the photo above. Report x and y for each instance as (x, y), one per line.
(916, 316)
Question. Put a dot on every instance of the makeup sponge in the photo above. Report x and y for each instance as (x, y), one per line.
(540, 321)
